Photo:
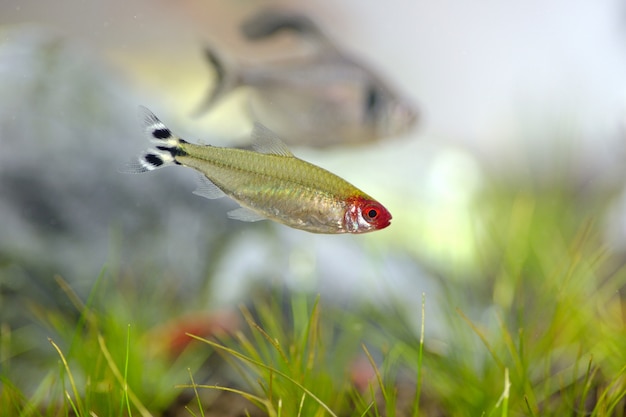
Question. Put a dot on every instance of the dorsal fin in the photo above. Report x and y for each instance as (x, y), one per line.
(267, 23)
(266, 141)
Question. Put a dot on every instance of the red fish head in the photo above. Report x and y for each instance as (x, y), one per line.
(365, 215)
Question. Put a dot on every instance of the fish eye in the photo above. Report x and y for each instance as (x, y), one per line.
(370, 213)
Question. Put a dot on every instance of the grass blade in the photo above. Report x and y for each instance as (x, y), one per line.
(71, 378)
(267, 367)
(120, 379)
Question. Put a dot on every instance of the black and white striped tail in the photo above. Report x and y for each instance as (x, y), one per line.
(165, 149)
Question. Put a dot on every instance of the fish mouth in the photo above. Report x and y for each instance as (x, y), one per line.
(384, 224)
(384, 220)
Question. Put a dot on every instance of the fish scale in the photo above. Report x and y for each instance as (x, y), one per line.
(292, 186)
(263, 169)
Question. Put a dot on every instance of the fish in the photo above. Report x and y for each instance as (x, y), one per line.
(268, 181)
(318, 99)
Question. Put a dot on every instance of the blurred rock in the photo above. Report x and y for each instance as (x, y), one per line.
(67, 125)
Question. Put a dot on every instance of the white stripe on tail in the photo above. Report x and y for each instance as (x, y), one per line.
(165, 149)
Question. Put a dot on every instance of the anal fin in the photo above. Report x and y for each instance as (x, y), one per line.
(245, 215)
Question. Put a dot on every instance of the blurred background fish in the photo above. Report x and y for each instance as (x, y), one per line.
(320, 98)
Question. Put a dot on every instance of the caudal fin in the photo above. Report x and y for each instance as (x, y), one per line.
(226, 79)
(166, 145)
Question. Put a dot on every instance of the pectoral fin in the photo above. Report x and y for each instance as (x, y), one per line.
(207, 189)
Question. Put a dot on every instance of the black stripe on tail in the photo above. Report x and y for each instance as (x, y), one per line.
(166, 145)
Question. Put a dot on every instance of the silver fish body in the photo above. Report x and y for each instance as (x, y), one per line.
(326, 101)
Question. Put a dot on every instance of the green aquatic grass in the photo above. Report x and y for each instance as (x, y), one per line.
(537, 329)
(104, 362)
(546, 307)
(300, 368)
(283, 361)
